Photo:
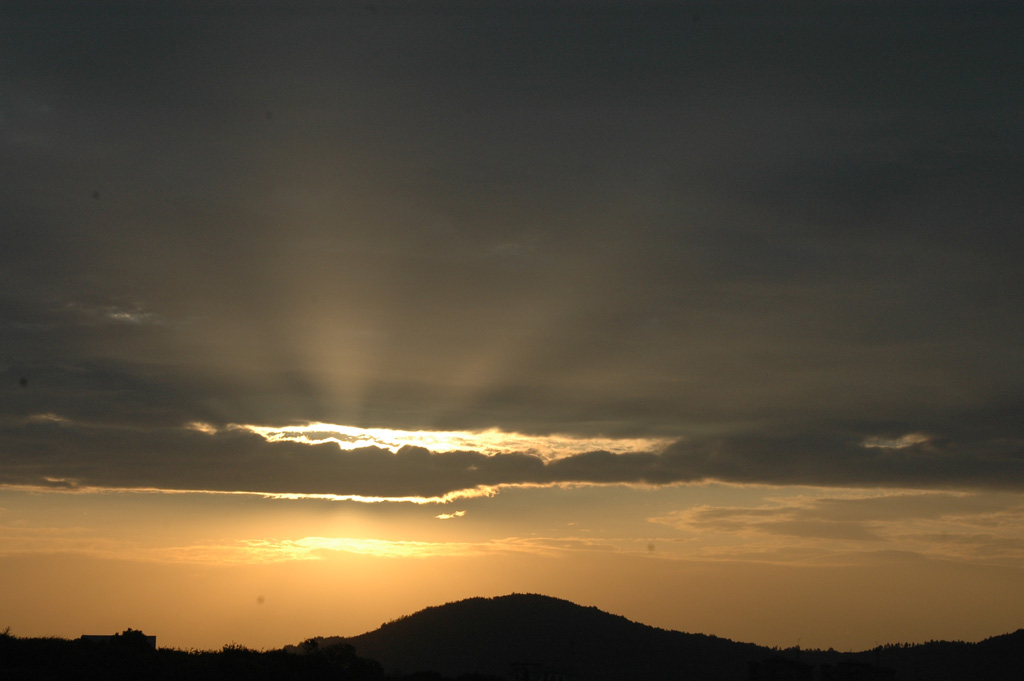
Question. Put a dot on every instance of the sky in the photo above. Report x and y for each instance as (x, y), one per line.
(315, 314)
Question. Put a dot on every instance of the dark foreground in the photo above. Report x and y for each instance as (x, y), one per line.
(39, 659)
(128, 657)
(519, 637)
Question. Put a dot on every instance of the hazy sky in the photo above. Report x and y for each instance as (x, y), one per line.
(313, 314)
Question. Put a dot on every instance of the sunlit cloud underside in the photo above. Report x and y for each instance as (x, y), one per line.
(490, 442)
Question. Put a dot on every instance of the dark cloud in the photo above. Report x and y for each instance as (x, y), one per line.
(51, 452)
(789, 228)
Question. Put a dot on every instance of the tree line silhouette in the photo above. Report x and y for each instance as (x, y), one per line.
(130, 656)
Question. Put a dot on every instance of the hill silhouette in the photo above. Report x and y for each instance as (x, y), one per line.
(481, 639)
(999, 658)
(553, 636)
(550, 636)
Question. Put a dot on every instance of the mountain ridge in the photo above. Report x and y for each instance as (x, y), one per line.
(492, 635)
(495, 636)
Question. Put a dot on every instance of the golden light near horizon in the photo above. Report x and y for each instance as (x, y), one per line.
(722, 537)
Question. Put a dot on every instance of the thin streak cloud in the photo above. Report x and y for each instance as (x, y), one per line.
(71, 487)
(954, 526)
(901, 442)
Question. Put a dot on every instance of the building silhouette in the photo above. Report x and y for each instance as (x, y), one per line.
(129, 637)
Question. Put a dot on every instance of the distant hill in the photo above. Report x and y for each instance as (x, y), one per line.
(999, 658)
(491, 635)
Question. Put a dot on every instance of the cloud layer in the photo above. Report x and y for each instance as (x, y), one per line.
(56, 454)
(785, 240)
